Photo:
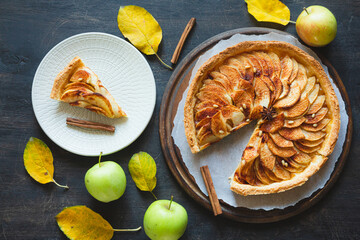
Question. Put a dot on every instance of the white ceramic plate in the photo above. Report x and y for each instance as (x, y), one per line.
(123, 71)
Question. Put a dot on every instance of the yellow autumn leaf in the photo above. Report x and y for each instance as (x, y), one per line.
(38, 161)
(80, 222)
(269, 11)
(142, 168)
(141, 28)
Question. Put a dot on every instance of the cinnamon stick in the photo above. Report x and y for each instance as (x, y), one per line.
(89, 124)
(181, 42)
(215, 204)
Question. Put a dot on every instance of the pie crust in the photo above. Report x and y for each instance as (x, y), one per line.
(289, 95)
(79, 86)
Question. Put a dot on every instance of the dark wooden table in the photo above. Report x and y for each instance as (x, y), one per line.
(29, 29)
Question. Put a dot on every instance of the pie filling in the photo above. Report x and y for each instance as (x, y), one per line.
(283, 96)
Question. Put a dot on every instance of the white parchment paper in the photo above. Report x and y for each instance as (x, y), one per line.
(224, 156)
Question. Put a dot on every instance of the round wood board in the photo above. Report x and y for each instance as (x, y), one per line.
(177, 84)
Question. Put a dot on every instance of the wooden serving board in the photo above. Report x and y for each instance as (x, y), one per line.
(177, 84)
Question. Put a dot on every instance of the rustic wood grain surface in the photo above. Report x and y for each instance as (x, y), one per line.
(29, 29)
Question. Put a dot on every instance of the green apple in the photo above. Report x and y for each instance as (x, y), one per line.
(316, 26)
(165, 220)
(106, 181)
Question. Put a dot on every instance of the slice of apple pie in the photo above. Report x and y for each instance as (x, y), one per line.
(79, 86)
(286, 91)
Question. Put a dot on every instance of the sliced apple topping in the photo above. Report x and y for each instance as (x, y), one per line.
(233, 114)
(238, 65)
(301, 158)
(215, 97)
(295, 165)
(274, 124)
(301, 77)
(260, 173)
(309, 86)
(218, 126)
(316, 117)
(280, 140)
(207, 104)
(243, 100)
(314, 93)
(313, 136)
(206, 139)
(316, 126)
(293, 123)
(316, 106)
(280, 172)
(79, 85)
(306, 149)
(298, 110)
(211, 86)
(205, 113)
(252, 149)
(280, 151)
(292, 98)
(232, 74)
(249, 73)
(294, 70)
(267, 158)
(276, 63)
(311, 143)
(292, 133)
(262, 93)
(286, 70)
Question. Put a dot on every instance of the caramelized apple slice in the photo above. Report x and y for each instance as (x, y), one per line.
(279, 151)
(218, 125)
(273, 125)
(286, 70)
(206, 104)
(314, 93)
(238, 65)
(306, 149)
(316, 117)
(248, 173)
(292, 98)
(249, 73)
(216, 89)
(316, 106)
(311, 143)
(309, 86)
(232, 74)
(301, 77)
(298, 109)
(316, 126)
(301, 158)
(267, 158)
(79, 85)
(294, 70)
(206, 139)
(260, 173)
(276, 63)
(221, 100)
(262, 93)
(252, 149)
(313, 136)
(233, 114)
(280, 172)
(205, 113)
(292, 123)
(296, 165)
(292, 133)
(242, 100)
(204, 122)
(281, 141)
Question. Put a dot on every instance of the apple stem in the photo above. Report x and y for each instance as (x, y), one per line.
(306, 10)
(59, 185)
(100, 158)
(171, 200)
(127, 230)
(153, 195)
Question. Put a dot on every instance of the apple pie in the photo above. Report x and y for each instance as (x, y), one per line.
(290, 96)
(79, 86)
